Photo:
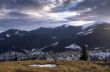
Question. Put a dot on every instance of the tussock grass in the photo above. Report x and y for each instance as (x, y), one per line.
(62, 66)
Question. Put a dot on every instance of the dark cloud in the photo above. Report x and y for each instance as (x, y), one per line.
(98, 6)
(30, 14)
(19, 4)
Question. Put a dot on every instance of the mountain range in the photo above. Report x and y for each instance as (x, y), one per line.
(58, 39)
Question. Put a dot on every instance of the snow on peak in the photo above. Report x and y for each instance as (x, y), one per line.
(73, 46)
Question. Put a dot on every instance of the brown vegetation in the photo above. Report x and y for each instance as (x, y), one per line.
(62, 66)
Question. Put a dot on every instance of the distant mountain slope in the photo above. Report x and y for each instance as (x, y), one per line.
(95, 36)
(16, 40)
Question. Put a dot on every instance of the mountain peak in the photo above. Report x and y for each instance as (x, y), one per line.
(11, 31)
(65, 25)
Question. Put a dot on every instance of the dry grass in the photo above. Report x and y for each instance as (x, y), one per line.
(62, 66)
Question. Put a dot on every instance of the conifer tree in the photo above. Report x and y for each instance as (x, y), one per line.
(84, 53)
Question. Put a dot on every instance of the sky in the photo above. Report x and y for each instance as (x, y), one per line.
(32, 14)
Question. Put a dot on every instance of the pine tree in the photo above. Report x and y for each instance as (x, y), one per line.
(15, 59)
(84, 53)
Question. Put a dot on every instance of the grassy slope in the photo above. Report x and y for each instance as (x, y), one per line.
(63, 66)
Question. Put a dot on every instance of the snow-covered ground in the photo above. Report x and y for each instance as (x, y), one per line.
(69, 55)
(101, 55)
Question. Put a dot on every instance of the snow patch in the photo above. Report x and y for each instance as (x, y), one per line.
(91, 29)
(74, 47)
(89, 32)
(17, 32)
(86, 32)
(8, 35)
(45, 65)
(79, 33)
(54, 44)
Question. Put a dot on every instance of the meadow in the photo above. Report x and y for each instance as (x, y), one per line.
(62, 66)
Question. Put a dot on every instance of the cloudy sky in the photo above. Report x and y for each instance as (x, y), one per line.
(32, 14)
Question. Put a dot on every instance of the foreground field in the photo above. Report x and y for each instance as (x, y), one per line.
(62, 66)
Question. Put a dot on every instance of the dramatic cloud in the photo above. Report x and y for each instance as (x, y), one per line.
(32, 14)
